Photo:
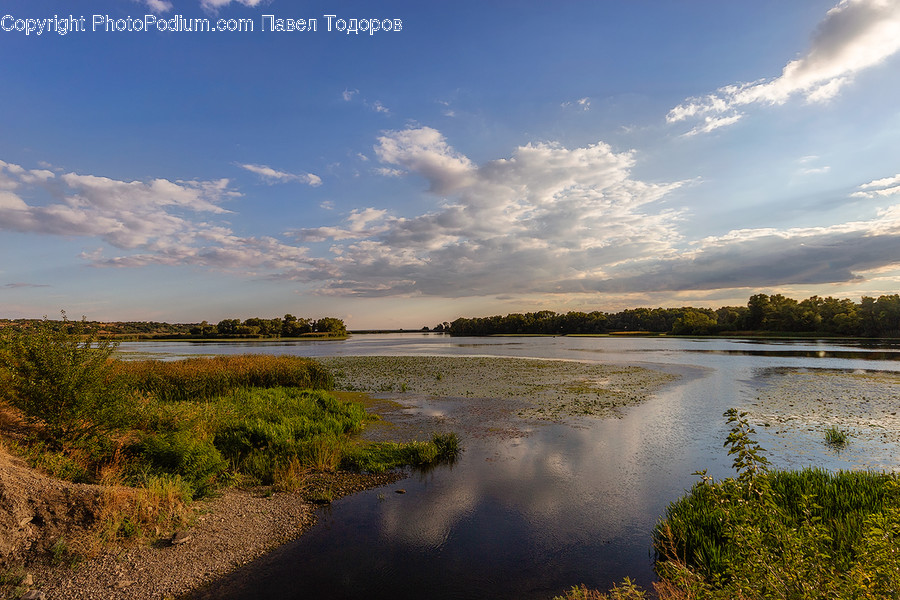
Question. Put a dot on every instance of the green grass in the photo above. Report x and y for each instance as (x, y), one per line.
(801, 535)
(836, 437)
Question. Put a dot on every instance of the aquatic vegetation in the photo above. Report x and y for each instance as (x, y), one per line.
(545, 389)
(836, 437)
(789, 534)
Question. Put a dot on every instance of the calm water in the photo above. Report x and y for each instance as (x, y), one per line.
(529, 517)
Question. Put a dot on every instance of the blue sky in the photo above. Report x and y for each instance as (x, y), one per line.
(487, 158)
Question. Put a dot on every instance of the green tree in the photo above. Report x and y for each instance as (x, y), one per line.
(331, 326)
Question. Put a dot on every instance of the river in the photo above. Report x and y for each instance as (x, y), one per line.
(528, 516)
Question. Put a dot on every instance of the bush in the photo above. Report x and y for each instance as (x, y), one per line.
(181, 453)
(63, 377)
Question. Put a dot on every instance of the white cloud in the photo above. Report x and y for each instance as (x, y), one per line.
(550, 219)
(387, 172)
(215, 5)
(887, 186)
(361, 223)
(381, 108)
(885, 182)
(581, 103)
(153, 222)
(815, 170)
(426, 151)
(348, 95)
(854, 35)
(518, 224)
(271, 175)
(159, 6)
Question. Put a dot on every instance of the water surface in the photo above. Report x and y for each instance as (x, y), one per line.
(528, 516)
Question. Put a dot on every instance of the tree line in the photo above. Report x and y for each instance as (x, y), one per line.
(763, 314)
(288, 326)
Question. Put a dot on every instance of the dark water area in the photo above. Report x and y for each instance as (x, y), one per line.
(529, 516)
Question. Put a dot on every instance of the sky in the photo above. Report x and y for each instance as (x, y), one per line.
(443, 159)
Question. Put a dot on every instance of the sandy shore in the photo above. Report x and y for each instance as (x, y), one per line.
(230, 531)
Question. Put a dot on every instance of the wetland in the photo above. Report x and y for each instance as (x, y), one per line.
(536, 504)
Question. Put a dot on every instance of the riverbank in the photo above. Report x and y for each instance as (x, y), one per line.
(227, 531)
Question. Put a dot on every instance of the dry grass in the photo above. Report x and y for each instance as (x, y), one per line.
(160, 507)
(195, 379)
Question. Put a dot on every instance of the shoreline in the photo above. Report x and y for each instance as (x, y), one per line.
(231, 530)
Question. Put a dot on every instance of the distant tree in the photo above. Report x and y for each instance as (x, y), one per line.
(331, 326)
(694, 322)
(291, 326)
(228, 326)
(759, 311)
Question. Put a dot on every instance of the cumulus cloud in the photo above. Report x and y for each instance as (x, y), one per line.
(854, 35)
(517, 224)
(145, 222)
(270, 175)
(551, 219)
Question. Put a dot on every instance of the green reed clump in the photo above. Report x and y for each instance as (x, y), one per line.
(207, 377)
(836, 437)
(259, 430)
(184, 454)
(786, 534)
(378, 457)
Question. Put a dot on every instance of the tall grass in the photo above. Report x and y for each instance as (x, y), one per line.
(207, 377)
(782, 534)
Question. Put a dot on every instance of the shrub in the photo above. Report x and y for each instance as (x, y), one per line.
(63, 377)
(182, 453)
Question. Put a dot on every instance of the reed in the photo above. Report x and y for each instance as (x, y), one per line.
(203, 378)
(836, 437)
(804, 534)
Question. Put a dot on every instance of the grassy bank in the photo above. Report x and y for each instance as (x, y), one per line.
(158, 434)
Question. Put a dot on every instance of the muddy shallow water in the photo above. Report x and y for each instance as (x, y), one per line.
(540, 502)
